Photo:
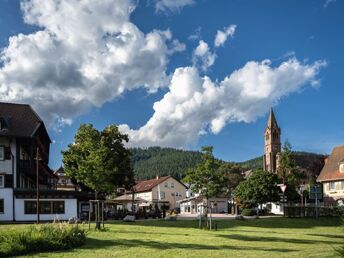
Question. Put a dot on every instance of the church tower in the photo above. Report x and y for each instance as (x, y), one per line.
(272, 148)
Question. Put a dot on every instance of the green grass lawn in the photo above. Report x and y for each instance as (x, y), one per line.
(273, 237)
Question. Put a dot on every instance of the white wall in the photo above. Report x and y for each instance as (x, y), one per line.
(70, 210)
(6, 165)
(6, 194)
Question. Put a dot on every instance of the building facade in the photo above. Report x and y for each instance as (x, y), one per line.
(162, 190)
(24, 154)
(332, 178)
(272, 146)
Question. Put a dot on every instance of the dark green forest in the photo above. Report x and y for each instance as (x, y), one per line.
(153, 161)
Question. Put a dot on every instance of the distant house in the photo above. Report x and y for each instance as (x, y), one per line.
(64, 182)
(160, 191)
(332, 177)
(22, 136)
(198, 203)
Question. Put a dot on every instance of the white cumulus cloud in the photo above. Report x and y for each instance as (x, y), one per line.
(222, 36)
(196, 105)
(202, 56)
(84, 53)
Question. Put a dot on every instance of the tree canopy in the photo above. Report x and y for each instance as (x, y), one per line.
(206, 178)
(98, 159)
(259, 188)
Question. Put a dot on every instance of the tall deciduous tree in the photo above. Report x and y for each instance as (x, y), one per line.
(99, 160)
(232, 175)
(261, 187)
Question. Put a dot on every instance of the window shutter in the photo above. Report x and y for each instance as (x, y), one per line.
(7, 153)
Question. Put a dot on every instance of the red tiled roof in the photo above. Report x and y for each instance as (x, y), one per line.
(147, 185)
(330, 171)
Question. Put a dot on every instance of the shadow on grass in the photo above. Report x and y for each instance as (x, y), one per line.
(328, 236)
(292, 223)
(277, 239)
(132, 243)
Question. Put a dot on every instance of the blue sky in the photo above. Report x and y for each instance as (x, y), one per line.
(306, 34)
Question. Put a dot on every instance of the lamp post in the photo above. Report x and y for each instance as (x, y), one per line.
(37, 184)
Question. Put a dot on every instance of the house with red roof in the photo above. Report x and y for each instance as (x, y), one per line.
(163, 191)
(332, 177)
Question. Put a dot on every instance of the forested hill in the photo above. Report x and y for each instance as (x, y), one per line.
(310, 163)
(153, 161)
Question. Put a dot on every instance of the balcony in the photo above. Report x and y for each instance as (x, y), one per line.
(25, 167)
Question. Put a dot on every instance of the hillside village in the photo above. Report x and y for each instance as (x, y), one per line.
(24, 138)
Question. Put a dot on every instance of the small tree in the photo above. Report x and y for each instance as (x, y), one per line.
(206, 179)
(259, 188)
(286, 162)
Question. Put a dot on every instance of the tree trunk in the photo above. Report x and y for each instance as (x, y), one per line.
(97, 211)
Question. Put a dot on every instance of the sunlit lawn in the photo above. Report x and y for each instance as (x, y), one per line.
(273, 237)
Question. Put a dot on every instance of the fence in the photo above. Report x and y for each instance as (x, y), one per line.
(312, 211)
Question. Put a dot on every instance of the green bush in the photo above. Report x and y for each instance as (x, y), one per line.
(248, 212)
(48, 237)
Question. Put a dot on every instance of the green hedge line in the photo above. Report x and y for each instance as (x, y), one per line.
(40, 238)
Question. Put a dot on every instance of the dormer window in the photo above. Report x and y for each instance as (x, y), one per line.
(3, 124)
(341, 167)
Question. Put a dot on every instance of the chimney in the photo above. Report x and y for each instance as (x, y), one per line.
(157, 177)
(325, 160)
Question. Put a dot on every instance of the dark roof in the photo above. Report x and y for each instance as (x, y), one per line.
(60, 170)
(20, 120)
(330, 171)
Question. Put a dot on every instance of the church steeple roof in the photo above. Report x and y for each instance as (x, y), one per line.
(272, 120)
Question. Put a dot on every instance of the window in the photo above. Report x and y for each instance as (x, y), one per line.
(45, 207)
(342, 185)
(58, 207)
(172, 185)
(2, 209)
(166, 185)
(30, 207)
(2, 181)
(2, 153)
(332, 185)
(162, 195)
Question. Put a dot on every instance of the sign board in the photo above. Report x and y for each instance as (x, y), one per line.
(315, 192)
(283, 187)
(283, 198)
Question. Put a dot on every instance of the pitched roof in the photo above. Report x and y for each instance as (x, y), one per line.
(330, 171)
(127, 198)
(60, 171)
(272, 122)
(20, 120)
(147, 185)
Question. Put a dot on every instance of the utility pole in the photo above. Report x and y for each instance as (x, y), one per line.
(37, 183)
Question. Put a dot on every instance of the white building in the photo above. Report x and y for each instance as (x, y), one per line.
(22, 136)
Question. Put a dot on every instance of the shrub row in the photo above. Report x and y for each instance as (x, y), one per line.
(311, 211)
(40, 238)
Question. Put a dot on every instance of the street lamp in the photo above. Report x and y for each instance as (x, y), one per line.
(37, 183)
